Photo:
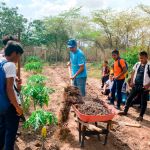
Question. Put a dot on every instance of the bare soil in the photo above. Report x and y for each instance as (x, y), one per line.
(120, 138)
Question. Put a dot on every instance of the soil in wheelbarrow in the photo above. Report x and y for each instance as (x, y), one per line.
(93, 108)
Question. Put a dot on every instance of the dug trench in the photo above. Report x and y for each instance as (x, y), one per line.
(122, 137)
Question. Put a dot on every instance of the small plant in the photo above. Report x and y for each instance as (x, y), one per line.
(39, 95)
(37, 79)
(34, 66)
(33, 59)
(39, 119)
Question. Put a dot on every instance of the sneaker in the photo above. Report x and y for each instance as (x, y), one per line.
(122, 113)
(140, 118)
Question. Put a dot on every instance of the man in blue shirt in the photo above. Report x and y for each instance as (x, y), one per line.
(78, 66)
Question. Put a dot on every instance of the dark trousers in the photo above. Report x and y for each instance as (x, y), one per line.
(81, 84)
(9, 122)
(144, 98)
(104, 79)
(106, 92)
(116, 88)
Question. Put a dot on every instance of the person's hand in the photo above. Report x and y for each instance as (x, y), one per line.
(131, 84)
(19, 87)
(68, 64)
(146, 87)
(109, 95)
(19, 111)
(19, 81)
(72, 78)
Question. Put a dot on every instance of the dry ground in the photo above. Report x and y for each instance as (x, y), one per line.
(121, 138)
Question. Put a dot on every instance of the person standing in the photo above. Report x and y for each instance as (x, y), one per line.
(105, 73)
(78, 66)
(10, 110)
(119, 69)
(140, 83)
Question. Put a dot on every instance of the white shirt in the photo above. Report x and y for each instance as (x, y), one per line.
(10, 71)
(109, 83)
(146, 77)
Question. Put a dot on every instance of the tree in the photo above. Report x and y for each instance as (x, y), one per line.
(11, 22)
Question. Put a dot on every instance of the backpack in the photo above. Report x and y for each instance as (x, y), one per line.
(119, 64)
(4, 100)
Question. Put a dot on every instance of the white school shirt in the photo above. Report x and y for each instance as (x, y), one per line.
(109, 83)
(146, 76)
(10, 71)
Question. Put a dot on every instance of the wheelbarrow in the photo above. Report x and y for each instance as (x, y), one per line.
(86, 127)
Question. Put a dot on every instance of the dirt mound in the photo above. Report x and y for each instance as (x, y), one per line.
(71, 96)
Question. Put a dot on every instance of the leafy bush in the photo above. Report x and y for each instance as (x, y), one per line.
(39, 119)
(131, 57)
(34, 66)
(36, 79)
(33, 59)
(39, 95)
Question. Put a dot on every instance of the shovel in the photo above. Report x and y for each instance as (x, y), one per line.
(69, 70)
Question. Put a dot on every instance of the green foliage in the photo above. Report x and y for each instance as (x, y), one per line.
(11, 21)
(34, 66)
(131, 57)
(40, 118)
(33, 59)
(37, 79)
(39, 94)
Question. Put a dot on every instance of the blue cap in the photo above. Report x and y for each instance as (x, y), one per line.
(71, 43)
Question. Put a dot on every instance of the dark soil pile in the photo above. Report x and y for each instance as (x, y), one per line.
(93, 108)
(71, 96)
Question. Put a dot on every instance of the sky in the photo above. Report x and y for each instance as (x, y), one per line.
(35, 9)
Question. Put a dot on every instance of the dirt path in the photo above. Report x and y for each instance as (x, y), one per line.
(122, 138)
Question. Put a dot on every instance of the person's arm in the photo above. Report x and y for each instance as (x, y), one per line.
(132, 76)
(11, 95)
(81, 69)
(122, 73)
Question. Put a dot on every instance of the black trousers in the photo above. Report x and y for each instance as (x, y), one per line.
(144, 98)
(9, 122)
(104, 79)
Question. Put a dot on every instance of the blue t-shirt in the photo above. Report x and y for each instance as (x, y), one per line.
(77, 59)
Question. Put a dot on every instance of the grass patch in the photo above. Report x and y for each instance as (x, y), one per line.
(94, 70)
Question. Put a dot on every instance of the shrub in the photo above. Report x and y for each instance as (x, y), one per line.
(33, 59)
(40, 118)
(34, 66)
(37, 79)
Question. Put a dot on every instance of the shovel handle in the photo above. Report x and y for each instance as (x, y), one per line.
(69, 70)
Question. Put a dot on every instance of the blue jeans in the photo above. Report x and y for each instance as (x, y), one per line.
(81, 84)
(116, 88)
(9, 122)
